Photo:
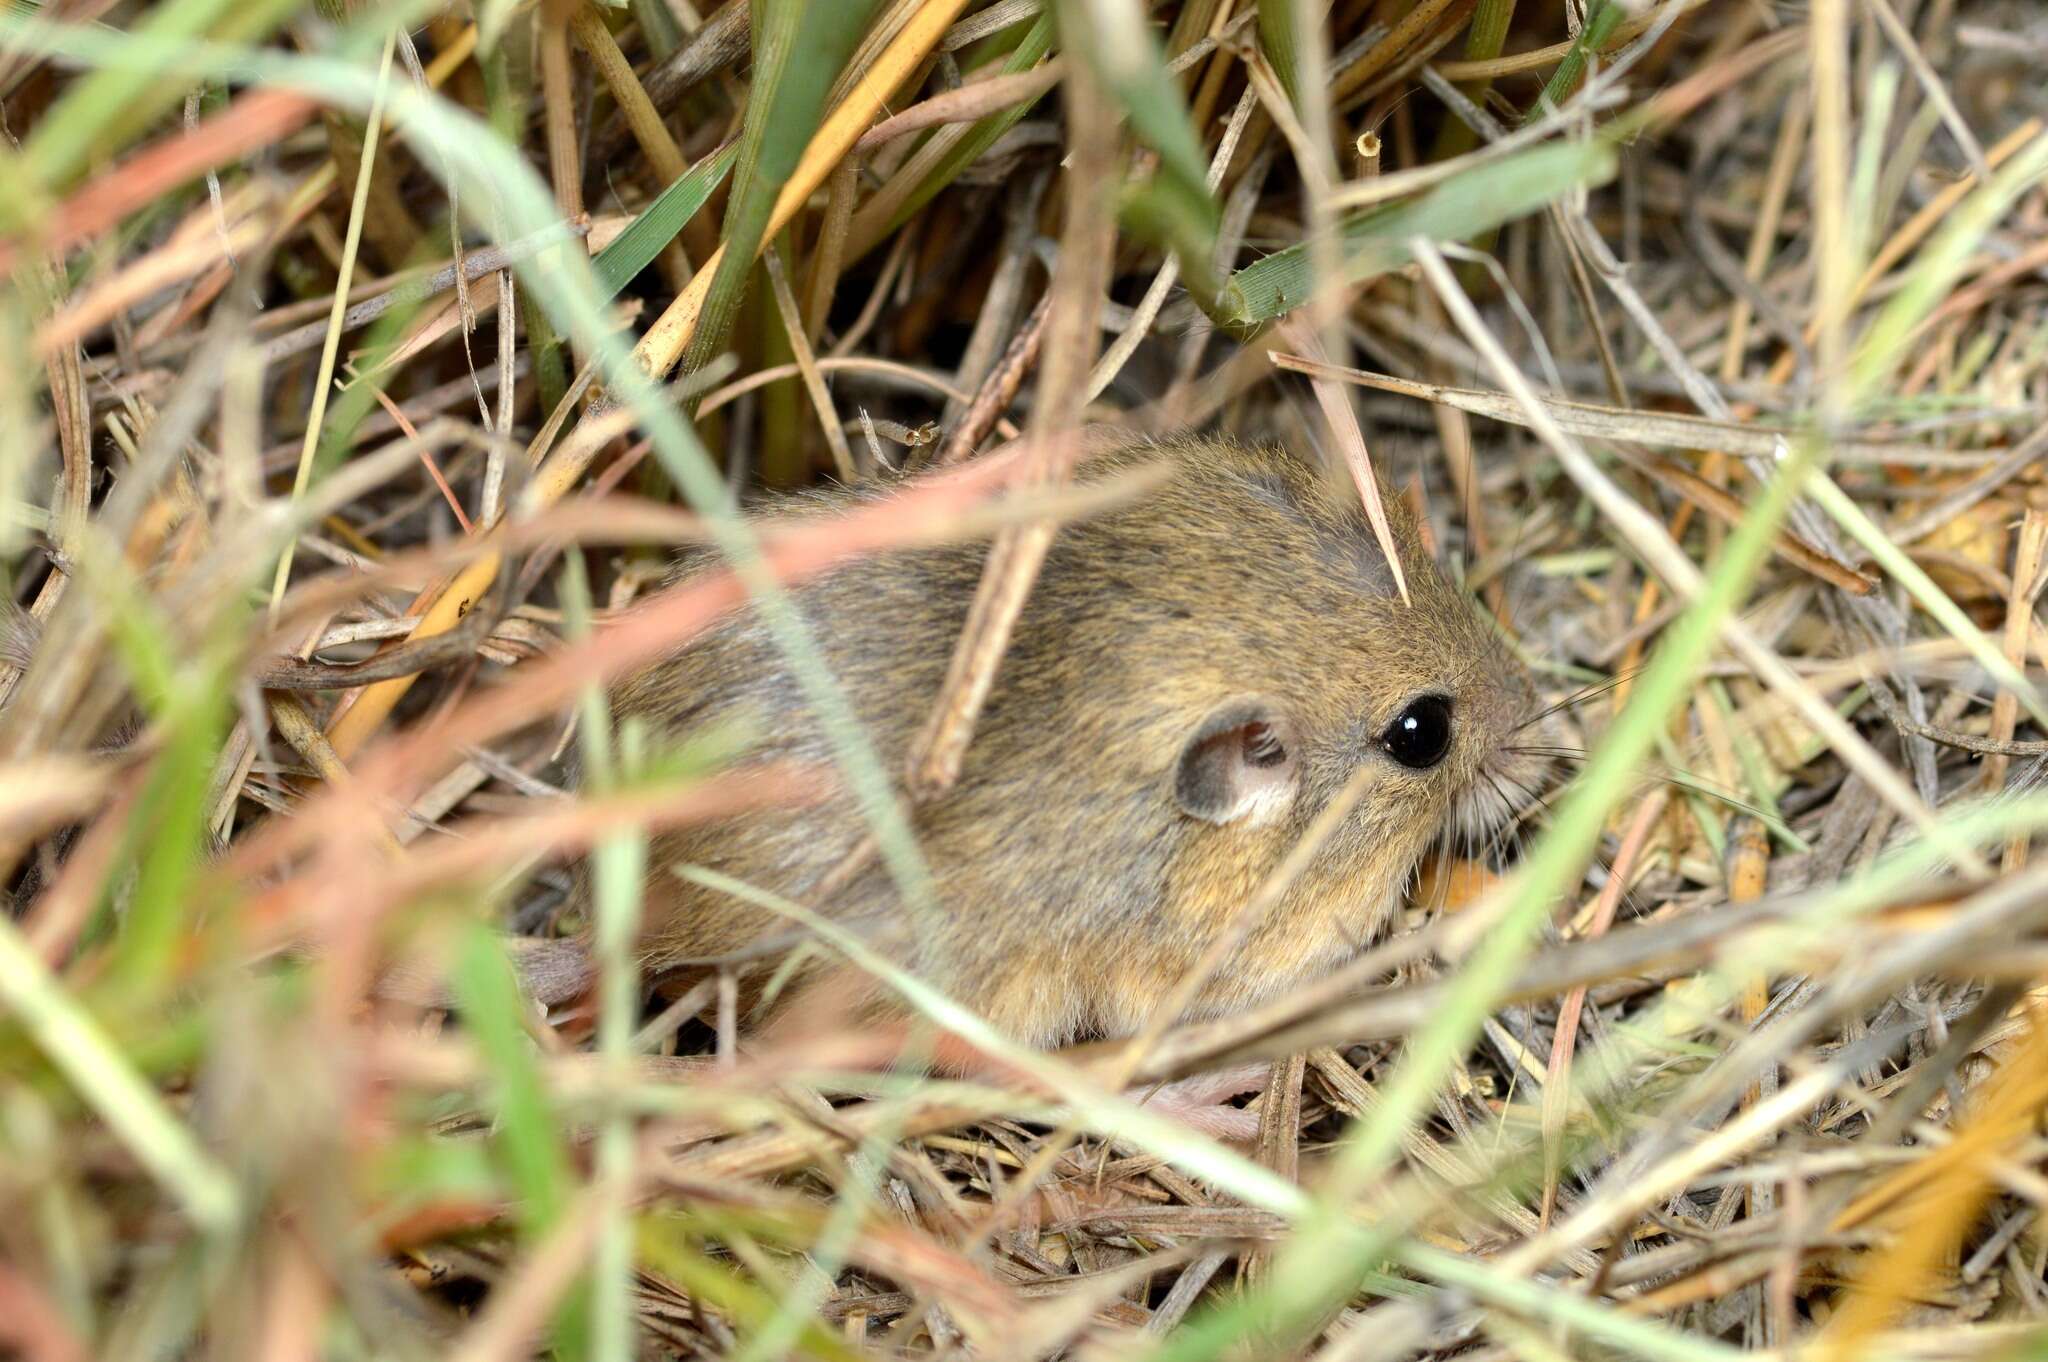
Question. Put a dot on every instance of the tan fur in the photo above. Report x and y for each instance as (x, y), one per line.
(1073, 891)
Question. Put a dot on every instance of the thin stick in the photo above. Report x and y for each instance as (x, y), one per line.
(2019, 613)
(641, 116)
(1074, 304)
(1557, 1085)
(1937, 93)
(323, 380)
(807, 365)
(830, 252)
(999, 389)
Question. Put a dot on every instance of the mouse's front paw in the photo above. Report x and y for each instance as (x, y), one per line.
(1202, 1101)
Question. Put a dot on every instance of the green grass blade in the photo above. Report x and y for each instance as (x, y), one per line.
(1937, 266)
(1030, 50)
(1924, 590)
(1375, 242)
(1175, 208)
(1119, 46)
(658, 23)
(1282, 45)
(488, 998)
(1636, 1336)
(94, 1064)
(800, 46)
(718, 1285)
(618, 869)
(525, 1133)
(632, 250)
(1593, 36)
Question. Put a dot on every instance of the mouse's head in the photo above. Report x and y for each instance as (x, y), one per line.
(1268, 665)
(1419, 704)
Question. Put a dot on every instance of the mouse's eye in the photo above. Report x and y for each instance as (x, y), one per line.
(1420, 736)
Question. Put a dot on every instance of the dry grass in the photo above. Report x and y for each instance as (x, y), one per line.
(332, 485)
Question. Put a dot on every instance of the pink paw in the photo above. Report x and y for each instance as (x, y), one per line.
(1201, 1102)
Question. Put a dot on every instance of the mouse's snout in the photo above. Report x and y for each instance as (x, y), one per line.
(1521, 764)
(1512, 741)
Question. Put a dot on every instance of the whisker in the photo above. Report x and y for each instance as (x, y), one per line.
(1628, 898)
(1673, 777)
(1592, 690)
(1721, 795)
(1510, 820)
(1536, 799)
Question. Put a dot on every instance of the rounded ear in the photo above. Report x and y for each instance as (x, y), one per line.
(1239, 765)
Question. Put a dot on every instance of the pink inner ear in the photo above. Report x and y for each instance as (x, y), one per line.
(1261, 745)
(1242, 768)
(1262, 778)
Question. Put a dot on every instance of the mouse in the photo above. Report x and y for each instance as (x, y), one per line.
(1195, 675)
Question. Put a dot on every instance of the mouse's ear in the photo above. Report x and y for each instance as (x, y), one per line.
(1239, 765)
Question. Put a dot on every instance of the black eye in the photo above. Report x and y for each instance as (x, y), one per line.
(1422, 734)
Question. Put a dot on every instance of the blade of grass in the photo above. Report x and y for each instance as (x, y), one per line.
(1592, 1318)
(1593, 36)
(660, 222)
(1873, 148)
(715, 1282)
(1176, 207)
(1118, 43)
(487, 995)
(93, 1062)
(1376, 242)
(1656, 429)
(525, 1130)
(1280, 42)
(799, 47)
(323, 379)
(618, 868)
(1938, 264)
(1924, 590)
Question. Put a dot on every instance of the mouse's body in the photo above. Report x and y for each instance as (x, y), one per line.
(1193, 677)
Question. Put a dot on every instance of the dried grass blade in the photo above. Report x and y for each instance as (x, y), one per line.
(323, 381)
(1658, 429)
(1350, 438)
(798, 49)
(672, 332)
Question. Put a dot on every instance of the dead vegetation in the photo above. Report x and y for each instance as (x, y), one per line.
(1708, 335)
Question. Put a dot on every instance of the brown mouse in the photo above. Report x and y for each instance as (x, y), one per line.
(1194, 675)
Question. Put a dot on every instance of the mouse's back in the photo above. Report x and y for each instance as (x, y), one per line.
(1193, 677)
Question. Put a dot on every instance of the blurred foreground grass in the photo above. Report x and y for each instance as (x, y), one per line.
(364, 363)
